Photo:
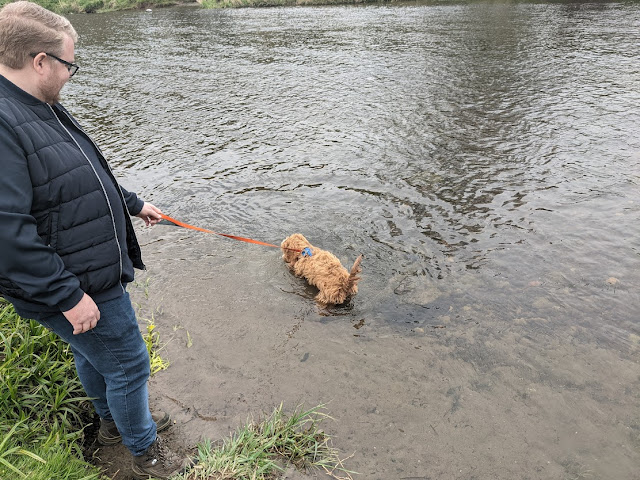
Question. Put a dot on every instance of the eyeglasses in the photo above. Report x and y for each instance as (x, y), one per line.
(72, 68)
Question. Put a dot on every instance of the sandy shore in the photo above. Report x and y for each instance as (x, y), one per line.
(463, 398)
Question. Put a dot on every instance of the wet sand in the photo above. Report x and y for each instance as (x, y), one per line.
(462, 397)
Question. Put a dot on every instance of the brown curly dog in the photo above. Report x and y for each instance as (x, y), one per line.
(321, 269)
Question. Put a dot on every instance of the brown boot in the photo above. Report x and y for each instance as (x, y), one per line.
(109, 435)
(158, 462)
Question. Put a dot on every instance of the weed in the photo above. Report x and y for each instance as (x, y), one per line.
(256, 450)
(152, 340)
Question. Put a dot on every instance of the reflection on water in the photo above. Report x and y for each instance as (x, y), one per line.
(483, 154)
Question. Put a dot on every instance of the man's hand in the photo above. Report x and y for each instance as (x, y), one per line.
(150, 214)
(84, 316)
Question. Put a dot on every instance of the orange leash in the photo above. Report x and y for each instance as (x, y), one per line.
(242, 239)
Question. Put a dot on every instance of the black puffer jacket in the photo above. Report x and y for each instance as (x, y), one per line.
(57, 230)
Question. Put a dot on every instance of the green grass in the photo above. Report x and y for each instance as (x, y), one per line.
(257, 451)
(279, 3)
(42, 462)
(38, 383)
(43, 406)
(152, 340)
(66, 7)
(92, 6)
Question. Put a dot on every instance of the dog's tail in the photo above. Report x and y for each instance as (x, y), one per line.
(354, 276)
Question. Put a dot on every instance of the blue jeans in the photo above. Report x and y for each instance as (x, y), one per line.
(113, 365)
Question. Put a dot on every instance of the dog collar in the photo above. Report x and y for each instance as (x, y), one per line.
(306, 252)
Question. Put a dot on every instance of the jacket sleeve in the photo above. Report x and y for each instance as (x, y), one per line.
(134, 204)
(25, 261)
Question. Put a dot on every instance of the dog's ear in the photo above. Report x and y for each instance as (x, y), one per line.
(289, 256)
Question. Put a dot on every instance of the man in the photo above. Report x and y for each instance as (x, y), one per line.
(67, 244)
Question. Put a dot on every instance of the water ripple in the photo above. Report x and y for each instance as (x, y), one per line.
(456, 144)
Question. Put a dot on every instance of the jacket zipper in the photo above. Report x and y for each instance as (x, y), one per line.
(113, 221)
(77, 125)
(108, 167)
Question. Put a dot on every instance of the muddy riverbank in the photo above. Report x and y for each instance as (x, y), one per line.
(464, 396)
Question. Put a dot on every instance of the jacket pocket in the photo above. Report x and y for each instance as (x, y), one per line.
(52, 237)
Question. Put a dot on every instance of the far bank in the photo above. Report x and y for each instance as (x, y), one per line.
(66, 7)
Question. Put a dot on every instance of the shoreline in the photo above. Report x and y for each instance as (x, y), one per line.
(75, 7)
(66, 7)
(71, 7)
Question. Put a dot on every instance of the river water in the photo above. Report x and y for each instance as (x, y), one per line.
(484, 157)
(489, 151)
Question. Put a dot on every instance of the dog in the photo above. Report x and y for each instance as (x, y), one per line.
(321, 269)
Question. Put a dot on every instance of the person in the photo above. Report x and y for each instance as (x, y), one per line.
(67, 244)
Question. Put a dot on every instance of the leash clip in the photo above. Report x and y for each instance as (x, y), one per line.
(306, 252)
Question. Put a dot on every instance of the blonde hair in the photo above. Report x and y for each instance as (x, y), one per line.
(27, 28)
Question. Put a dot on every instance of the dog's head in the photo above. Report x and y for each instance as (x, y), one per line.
(291, 247)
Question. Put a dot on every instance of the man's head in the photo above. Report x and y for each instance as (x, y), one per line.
(39, 44)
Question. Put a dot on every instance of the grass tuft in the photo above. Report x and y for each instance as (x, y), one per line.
(256, 451)
(152, 340)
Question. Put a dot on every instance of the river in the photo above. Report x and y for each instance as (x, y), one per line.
(484, 157)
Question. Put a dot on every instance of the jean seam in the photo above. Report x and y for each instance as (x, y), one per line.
(126, 392)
